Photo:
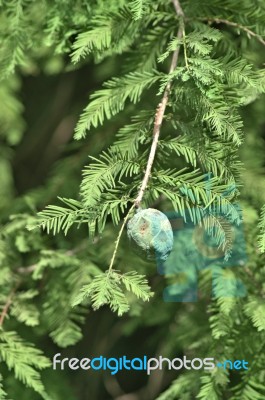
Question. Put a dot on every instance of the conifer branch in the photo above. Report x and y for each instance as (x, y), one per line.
(119, 238)
(161, 108)
(7, 305)
(178, 8)
(235, 25)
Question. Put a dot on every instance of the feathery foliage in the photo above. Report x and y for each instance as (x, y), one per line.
(108, 102)
(208, 166)
(262, 234)
(105, 289)
(24, 360)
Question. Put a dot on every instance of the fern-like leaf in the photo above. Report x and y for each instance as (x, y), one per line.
(24, 359)
(56, 218)
(261, 239)
(107, 102)
(106, 289)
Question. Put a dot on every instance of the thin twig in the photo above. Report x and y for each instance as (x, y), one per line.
(178, 8)
(159, 116)
(7, 304)
(27, 270)
(160, 111)
(185, 48)
(235, 25)
(31, 268)
(119, 238)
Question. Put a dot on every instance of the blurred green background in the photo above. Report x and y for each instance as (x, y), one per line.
(39, 160)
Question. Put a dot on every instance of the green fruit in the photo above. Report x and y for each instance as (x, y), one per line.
(151, 231)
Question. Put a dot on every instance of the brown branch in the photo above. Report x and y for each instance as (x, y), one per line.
(160, 111)
(31, 268)
(235, 25)
(27, 270)
(178, 8)
(7, 304)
